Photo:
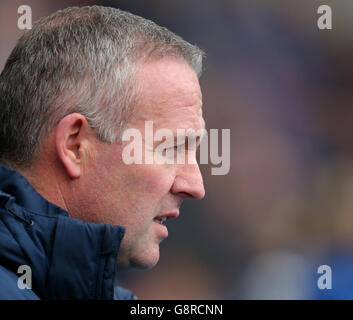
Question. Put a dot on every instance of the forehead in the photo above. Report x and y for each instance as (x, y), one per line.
(169, 94)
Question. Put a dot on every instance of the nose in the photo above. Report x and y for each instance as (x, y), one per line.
(189, 182)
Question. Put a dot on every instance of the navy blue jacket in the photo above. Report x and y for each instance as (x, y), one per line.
(69, 258)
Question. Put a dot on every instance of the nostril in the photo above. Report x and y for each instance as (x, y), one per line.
(189, 183)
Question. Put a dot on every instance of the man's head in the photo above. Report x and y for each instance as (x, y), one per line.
(70, 88)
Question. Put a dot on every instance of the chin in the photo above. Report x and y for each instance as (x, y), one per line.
(146, 260)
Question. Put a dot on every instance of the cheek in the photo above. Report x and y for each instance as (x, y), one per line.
(148, 186)
(132, 193)
(135, 178)
(156, 179)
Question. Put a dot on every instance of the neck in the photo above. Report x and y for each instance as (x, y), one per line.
(42, 177)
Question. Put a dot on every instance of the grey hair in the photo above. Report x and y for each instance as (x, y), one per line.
(80, 59)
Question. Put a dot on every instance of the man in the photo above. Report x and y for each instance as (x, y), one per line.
(71, 209)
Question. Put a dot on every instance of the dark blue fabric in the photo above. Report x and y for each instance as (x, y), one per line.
(69, 258)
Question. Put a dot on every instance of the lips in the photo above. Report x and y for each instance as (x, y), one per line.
(162, 218)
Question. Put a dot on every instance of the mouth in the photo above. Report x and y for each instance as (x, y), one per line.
(161, 219)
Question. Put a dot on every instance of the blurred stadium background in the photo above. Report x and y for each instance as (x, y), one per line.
(284, 88)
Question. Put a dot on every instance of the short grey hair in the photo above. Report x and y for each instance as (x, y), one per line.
(80, 59)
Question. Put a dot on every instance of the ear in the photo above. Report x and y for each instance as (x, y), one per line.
(71, 135)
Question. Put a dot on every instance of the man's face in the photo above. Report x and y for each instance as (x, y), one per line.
(134, 195)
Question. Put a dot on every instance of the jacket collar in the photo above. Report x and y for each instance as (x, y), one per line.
(69, 258)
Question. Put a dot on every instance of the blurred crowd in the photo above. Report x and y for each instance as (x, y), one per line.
(284, 88)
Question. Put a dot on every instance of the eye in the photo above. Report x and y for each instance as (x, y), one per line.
(179, 147)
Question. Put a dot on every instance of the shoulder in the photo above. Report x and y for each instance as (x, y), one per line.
(121, 293)
(9, 289)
